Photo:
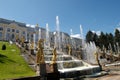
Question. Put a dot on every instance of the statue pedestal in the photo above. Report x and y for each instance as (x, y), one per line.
(26, 47)
(43, 71)
(22, 44)
(32, 51)
(54, 67)
(55, 74)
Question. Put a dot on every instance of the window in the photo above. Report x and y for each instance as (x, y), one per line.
(27, 34)
(13, 36)
(51, 39)
(13, 30)
(17, 31)
(8, 29)
(8, 36)
(1, 28)
(0, 34)
(23, 32)
(31, 35)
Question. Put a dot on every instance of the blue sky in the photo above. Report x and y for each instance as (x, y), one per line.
(97, 15)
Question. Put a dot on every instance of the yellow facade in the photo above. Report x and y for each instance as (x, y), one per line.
(12, 31)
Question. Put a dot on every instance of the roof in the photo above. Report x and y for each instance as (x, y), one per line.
(12, 21)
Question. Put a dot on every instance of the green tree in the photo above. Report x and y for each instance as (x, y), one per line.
(89, 36)
(96, 39)
(110, 40)
(102, 40)
(117, 36)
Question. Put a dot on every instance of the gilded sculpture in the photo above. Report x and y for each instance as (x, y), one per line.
(32, 45)
(96, 56)
(37, 25)
(22, 39)
(54, 57)
(40, 55)
(69, 49)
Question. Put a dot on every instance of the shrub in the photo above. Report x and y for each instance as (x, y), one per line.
(3, 47)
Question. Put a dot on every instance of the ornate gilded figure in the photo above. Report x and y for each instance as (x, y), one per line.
(96, 56)
(32, 45)
(54, 57)
(69, 49)
(22, 39)
(40, 55)
(37, 25)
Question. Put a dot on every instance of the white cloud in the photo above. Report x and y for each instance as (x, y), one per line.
(118, 28)
(27, 25)
(93, 31)
(97, 32)
(76, 36)
(32, 26)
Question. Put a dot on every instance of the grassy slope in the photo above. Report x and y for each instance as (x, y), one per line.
(12, 65)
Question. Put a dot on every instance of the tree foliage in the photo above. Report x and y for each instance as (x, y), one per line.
(108, 40)
(117, 36)
(89, 36)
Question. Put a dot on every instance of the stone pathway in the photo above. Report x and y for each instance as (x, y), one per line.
(30, 59)
(107, 77)
(113, 74)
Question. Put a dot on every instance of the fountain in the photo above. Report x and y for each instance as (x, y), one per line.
(58, 41)
(90, 49)
(47, 42)
(34, 40)
(71, 33)
(69, 66)
(39, 35)
(63, 42)
(117, 47)
(72, 41)
(81, 35)
(47, 48)
(26, 37)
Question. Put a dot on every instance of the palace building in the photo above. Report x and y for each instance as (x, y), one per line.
(13, 30)
(10, 30)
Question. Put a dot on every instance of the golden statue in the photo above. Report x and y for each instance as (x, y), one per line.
(37, 25)
(96, 56)
(54, 57)
(40, 55)
(69, 49)
(32, 45)
(111, 52)
(22, 40)
(16, 37)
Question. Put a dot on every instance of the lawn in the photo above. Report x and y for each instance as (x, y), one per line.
(12, 64)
